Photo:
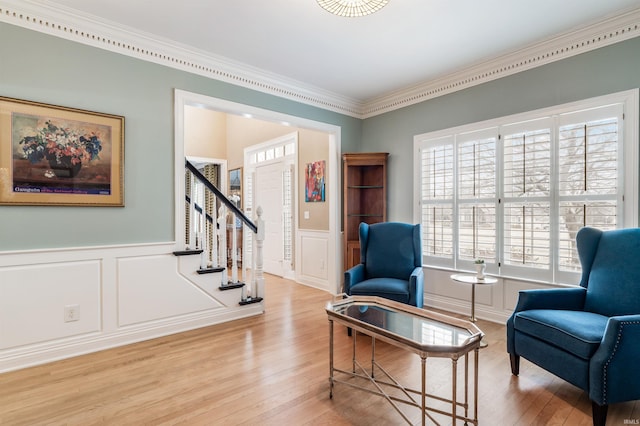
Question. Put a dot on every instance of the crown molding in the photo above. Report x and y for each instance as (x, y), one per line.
(69, 24)
(606, 32)
(73, 25)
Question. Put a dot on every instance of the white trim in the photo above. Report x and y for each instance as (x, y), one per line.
(180, 101)
(88, 29)
(27, 356)
(55, 255)
(280, 141)
(69, 24)
(631, 180)
(613, 30)
(272, 143)
(335, 236)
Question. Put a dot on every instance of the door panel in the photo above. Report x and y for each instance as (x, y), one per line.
(269, 195)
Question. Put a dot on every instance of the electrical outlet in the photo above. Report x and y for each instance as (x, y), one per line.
(71, 313)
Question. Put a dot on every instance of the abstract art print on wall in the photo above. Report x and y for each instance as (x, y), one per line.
(314, 181)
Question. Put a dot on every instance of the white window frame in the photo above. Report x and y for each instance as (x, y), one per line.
(628, 177)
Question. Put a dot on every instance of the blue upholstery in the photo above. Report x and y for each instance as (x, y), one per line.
(589, 335)
(576, 332)
(391, 263)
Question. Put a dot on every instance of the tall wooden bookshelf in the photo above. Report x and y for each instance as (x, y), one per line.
(364, 198)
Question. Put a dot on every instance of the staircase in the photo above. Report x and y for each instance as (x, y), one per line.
(208, 260)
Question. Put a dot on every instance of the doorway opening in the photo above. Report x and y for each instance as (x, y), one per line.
(316, 254)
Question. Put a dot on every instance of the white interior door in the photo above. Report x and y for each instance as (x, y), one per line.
(269, 194)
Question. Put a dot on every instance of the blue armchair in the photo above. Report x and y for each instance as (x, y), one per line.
(589, 335)
(390, 263)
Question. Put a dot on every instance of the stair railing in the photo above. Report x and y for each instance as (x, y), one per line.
(208, 232)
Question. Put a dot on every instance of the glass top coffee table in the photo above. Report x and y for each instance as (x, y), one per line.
(426, 333)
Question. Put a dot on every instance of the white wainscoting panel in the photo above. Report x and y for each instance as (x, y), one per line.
(124, 294)
(150, 289)
(314, 253)
(33, 300)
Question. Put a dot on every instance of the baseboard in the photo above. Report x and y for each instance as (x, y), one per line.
(455, 305)
(42, 353)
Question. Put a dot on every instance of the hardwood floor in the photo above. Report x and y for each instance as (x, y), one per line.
(273, 370)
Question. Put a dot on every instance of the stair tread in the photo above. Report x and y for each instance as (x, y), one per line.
(210, 270)
(250, 301)
(231, 286)
(186, 252)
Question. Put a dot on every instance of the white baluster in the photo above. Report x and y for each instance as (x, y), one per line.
(193, 221)
(203, 216)
(247, 290)
(214, 234)
(222, 226)
(259, 258)
(222, 250)
(252, 281)
(234, 250)
(220, 232)
(205, 250)
(203, 226)
(244, 253)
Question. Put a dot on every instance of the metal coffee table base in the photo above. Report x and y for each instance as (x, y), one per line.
(412, 397)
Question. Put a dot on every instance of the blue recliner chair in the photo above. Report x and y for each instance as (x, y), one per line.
(589, 335)
(390, 263)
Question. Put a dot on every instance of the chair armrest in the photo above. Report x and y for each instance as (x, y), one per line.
(416, 287)
(570, 299)
(353, 276)
(613, 373)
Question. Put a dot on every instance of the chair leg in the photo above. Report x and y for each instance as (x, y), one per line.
(599, 414)
(515, 364)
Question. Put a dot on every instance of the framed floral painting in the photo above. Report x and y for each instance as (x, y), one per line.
(52, 155)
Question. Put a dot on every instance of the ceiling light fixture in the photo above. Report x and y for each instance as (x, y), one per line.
(352, 8)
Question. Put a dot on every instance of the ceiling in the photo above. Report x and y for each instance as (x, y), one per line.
(407, 43)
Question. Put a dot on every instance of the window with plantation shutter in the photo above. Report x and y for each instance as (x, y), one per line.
(514, 191)
(590, 164)
(527, 195)
(477, 197)
(436, 161)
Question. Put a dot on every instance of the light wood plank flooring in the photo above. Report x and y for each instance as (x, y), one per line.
(272, 370)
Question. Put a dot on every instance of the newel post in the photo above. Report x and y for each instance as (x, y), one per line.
(259, 276)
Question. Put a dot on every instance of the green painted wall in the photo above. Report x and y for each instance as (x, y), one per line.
(42, 68)
(606, 70)
(48, 69)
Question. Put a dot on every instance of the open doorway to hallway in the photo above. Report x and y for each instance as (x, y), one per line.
(315, 247)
